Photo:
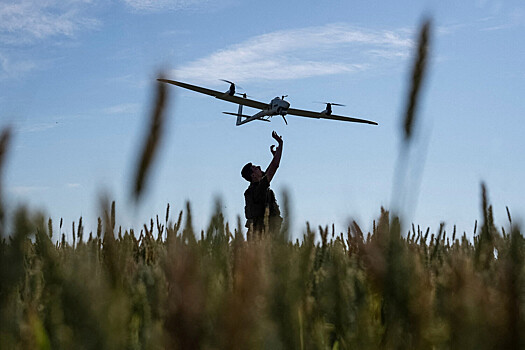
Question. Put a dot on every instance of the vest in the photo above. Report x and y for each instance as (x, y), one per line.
(258, 197)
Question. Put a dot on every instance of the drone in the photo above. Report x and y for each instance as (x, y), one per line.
(277, 106)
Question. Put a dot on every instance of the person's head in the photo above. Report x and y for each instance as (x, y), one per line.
(252, 173)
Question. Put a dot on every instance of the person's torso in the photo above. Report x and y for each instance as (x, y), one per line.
(258, 197)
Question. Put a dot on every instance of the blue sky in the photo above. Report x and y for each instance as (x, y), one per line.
(77, 77)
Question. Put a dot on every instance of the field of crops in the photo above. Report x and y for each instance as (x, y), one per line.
(173, 287)
(167, 289)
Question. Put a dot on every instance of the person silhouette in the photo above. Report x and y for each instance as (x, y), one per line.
(260, 202)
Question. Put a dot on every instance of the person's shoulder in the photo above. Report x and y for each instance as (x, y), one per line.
(254, 186)
(250, 188)
(264, 180)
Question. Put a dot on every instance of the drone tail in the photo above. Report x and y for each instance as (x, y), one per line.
(248, 118)
(239, 116)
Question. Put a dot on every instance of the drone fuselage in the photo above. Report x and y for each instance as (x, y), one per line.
(278, 106)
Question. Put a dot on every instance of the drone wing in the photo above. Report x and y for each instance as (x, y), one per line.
(218, 94)
(318, 115)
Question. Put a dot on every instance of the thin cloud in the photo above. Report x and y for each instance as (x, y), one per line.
(451, 28)
(300, 53)
(38, 127)
(125, 108)
(15, 68)
(161, 5)
(73, 185)
(496, 27)
(25, 21)
(514, 19)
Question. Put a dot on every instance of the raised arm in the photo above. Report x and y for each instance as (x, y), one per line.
(277, 153)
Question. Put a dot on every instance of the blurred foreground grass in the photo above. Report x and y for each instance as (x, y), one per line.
(167, 289)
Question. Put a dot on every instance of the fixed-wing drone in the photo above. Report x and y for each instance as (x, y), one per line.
(277, 106)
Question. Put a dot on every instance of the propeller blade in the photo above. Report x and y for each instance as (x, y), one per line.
(330, 103)
(232, 83)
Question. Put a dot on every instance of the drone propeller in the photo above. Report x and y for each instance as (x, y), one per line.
(328, 110)
(330, 103)
(231, 92)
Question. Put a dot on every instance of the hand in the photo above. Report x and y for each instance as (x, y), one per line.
(277, 138)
